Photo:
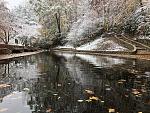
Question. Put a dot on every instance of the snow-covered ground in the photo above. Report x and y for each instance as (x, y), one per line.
(91, 45)
(102, 44)
(98, 44)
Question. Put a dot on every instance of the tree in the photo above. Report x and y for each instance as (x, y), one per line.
(55, 16)
(6, 23)
(26, 24)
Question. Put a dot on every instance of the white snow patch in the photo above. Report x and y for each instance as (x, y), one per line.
(99, 43)
(114, 46)
(91, 45)
(66, 46)
(144, 37)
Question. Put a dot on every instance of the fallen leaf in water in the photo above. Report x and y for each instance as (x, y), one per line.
(143, 90)
(48, 110)
(59, 85)
(119, 82)
(4, 85)
(135, 92)
(3, 109)
(59, 97)
(111, 110)
(102, 101)
(55, 94)
(88, 100)
(122, 80)
(107, 85)
(89, 92)
(26, 89)
(69, 83)
(94, 98)
(108, 89)
(126, 95)
(80, 100)
(137, 81)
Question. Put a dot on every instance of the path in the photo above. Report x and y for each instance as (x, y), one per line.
(136, 50)
(10, 56)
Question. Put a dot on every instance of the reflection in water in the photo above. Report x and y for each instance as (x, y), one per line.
(68, 83)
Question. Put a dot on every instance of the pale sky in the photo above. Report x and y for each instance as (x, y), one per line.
(11, 4)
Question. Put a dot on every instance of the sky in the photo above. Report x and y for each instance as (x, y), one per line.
(11, 4)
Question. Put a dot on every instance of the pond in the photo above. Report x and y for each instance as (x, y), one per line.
(74, 83)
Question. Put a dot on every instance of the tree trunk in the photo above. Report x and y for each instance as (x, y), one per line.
(57, 15)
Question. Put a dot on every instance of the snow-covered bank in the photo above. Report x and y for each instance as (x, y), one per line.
(102, 44)
(98, 44)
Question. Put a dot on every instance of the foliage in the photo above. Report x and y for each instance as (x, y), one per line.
(6, 23)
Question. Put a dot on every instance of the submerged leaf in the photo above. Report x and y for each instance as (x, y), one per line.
(135, 92)
(89, 92)
(119, 82)
(26, 89)
(94, 98)
(55, 94)
(108, 89)
(80, 100)
(122, 80)
(88, 100)
(111, 110)
(48, 110)
(59, 85)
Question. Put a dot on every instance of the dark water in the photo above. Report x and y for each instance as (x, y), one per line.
(67, 83)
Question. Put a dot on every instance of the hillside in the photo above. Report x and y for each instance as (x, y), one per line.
(132, 20)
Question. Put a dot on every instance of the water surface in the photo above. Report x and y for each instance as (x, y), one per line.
(69, 83)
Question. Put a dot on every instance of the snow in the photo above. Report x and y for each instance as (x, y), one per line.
(91, 45)
(25, 20)
(113, 46)
(144, 37)
(66, 46)
(85, 25)
(98, 44)
(102, 44)
(87, 22)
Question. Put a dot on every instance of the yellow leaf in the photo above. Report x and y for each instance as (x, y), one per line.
(135, 92)
(94, 98)
(48, 110)
(111, 110)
